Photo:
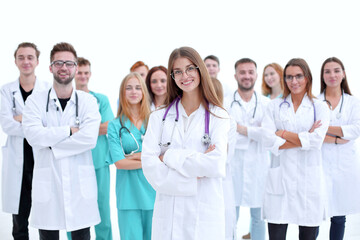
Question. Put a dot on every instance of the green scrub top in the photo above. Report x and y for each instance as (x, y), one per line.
(132, 189)
(101, 154)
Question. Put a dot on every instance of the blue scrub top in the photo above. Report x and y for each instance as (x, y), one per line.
(132, 189)
(101, 154)
(279, 96)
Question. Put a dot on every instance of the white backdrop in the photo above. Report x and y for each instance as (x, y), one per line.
(114, 34)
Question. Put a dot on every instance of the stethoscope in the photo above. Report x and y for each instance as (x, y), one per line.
(13, 99)
(288, 105)
(252, 120)
(137, 144)
(338, 115)
(206, 140)
(77, 121)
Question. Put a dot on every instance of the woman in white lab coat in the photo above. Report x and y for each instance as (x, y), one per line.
(294, 130)
(272, 85)
(156, 82)
(340, 159)
(179, 161)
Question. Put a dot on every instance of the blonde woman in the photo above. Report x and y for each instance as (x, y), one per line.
(135, 196)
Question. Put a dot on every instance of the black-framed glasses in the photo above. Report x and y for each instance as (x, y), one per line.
(298, 77)
(190, 71)
(59, 64)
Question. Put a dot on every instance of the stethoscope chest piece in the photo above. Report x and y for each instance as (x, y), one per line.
(338, 115)
(206, 139)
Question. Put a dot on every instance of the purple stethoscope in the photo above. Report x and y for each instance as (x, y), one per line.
(204, 139)
(288, 105)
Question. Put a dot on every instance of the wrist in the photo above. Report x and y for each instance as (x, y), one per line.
(282, 134)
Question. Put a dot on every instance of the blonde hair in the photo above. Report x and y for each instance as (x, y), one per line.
(124, 108)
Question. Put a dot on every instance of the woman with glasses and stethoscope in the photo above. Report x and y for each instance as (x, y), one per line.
(341, 162)
(184, 153)
(294, 130)
(135, 197)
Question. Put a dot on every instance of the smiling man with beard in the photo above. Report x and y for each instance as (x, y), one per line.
(62, 125)
(250, 163)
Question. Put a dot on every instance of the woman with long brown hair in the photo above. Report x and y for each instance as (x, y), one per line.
(156, 82)
(294, 130)
(341, 162)
(135, 197)
(184, 153)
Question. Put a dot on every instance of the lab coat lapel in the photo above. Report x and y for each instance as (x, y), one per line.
(180, 125)
(68, 115)
(15, 92)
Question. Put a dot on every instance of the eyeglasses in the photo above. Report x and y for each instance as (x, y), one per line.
(68, 64)
(290, 78)
(190, 71)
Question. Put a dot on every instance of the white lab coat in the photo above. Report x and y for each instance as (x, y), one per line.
(295, 191)
(64, 194)
(228, 186)
(187, 207)
(13, 157)
(251, 161)
(341, 162)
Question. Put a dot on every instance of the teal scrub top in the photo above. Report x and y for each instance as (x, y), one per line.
(101, 154)
(132, 189)
(280, 96)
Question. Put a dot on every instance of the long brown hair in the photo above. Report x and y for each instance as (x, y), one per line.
(266, 90)
(301, 63)
(206, 85)
(344, 84)
(124, 108)
(148, 78)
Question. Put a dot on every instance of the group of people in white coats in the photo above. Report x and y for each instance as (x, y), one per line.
(185, 160)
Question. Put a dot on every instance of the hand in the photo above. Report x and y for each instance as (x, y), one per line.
(341, 141)
(103, 128)
(74, 130)
(279, 132)
(161, 158)
(18, 118)
(210, 148)
(315, 126)
(241, 129)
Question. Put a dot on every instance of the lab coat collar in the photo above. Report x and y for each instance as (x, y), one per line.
(252, 100)
(305, 102)
(15, 86)
(182, 111)
(53, 95)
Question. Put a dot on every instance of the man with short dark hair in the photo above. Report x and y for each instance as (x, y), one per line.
(212, 64)
(62, 126)
(250, 161)
(18, 159)
(100, 154)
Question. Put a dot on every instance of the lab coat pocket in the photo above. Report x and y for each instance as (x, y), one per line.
(41, 186)
(88, 186)
(274, 183)
(210, 212)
